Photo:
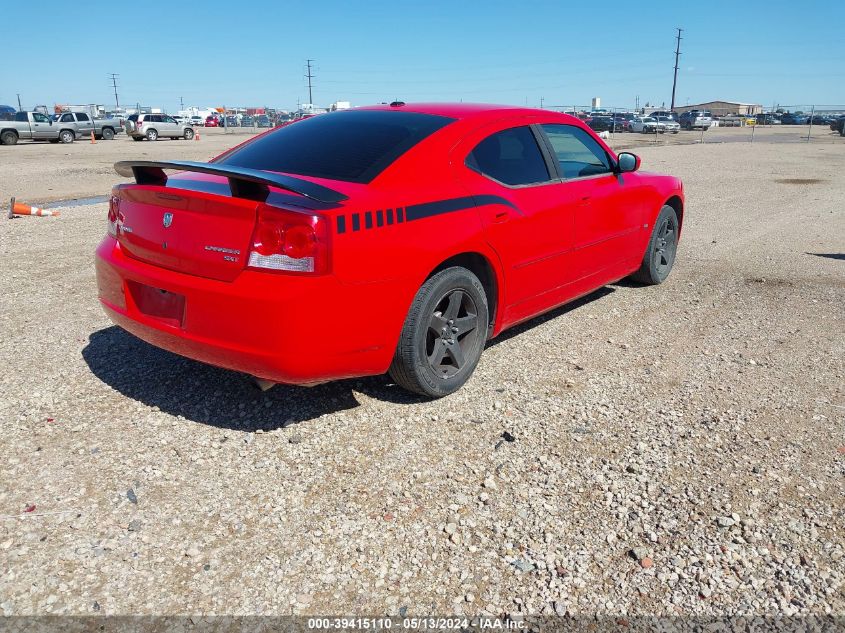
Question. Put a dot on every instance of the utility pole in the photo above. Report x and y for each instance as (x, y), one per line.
(541, 103)
(675, 80)
(310, 77)
(114, 85)
(19, 102)
(181, 103)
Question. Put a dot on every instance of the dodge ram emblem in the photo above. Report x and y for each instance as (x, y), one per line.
(167, 220)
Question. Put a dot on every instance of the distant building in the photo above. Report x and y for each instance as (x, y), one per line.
(723, 108)
(596, 104)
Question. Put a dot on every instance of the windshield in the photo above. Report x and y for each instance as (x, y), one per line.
(351, 146)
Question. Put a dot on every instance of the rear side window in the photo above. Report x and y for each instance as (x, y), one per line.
(511, 157)
(578, 154)
(351, 146)
(82, 117)
(67, 118)
(21, 116)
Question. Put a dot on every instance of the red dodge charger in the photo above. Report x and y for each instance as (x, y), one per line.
(392, 238)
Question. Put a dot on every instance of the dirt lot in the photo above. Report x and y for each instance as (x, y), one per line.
(678, 449)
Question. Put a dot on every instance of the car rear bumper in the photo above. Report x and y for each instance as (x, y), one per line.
(284, 328)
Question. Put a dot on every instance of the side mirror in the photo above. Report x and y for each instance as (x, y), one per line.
(628, 162)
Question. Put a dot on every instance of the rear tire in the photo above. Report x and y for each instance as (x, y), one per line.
(152, 135)
(107, 134)
(443, 336)
(9, 138)
(662, 248)
(189, 134)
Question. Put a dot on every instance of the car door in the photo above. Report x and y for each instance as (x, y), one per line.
(527, 219)
(84, 124)
(41, 126)
(607, 214)
(170, 126)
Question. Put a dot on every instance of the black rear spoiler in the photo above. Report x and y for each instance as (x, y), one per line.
(252, 184)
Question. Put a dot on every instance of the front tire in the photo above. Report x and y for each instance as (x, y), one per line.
(444, 334)
(662, 247)
(189, 134)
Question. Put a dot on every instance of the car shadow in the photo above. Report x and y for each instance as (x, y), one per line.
(552, 314)
(228, 399)
(211, 395)
(828, 255)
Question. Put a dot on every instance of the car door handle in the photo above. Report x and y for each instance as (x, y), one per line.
(501, 216)
(583, 201)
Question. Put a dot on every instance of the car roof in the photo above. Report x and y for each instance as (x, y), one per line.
(456, 110)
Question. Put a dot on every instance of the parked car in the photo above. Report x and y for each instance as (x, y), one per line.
(664, 113)
(767, 118)
(646, 124)
(232, 121)
(696, 119)
(36, 126)
(794, 119)
(247, 121)
(668, 124)
(457, 221)
(838, 125)
(7, 113)
(819, 119)
(211, 121)
(602, 124)
(155, 126)
(263, 121)
(84, 125)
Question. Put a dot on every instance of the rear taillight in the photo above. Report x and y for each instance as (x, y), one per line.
(289, 241)
(114, 212)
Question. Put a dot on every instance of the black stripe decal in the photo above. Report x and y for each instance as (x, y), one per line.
(422, 211)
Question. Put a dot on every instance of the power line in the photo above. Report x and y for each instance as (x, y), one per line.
(310, 77)
(114, 85)
(675, 80)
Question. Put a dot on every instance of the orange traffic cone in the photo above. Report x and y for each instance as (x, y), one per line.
(93, 141)
(197, 136)
(18, 208)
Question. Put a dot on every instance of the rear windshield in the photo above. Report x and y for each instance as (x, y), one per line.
(351, 146)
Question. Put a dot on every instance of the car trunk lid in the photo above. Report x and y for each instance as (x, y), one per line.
(185, 231)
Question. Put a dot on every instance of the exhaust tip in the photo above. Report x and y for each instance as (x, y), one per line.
(263, 384)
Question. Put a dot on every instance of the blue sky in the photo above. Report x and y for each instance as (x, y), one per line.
(213, 53)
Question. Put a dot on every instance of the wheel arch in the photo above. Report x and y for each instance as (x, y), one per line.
(678, 205)
(482, 267)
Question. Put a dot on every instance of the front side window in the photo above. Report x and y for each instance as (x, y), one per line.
(354, 146)
(40, 118)
(511, 157)
(577, 153)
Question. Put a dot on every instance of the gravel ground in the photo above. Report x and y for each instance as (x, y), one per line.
(669, 450)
